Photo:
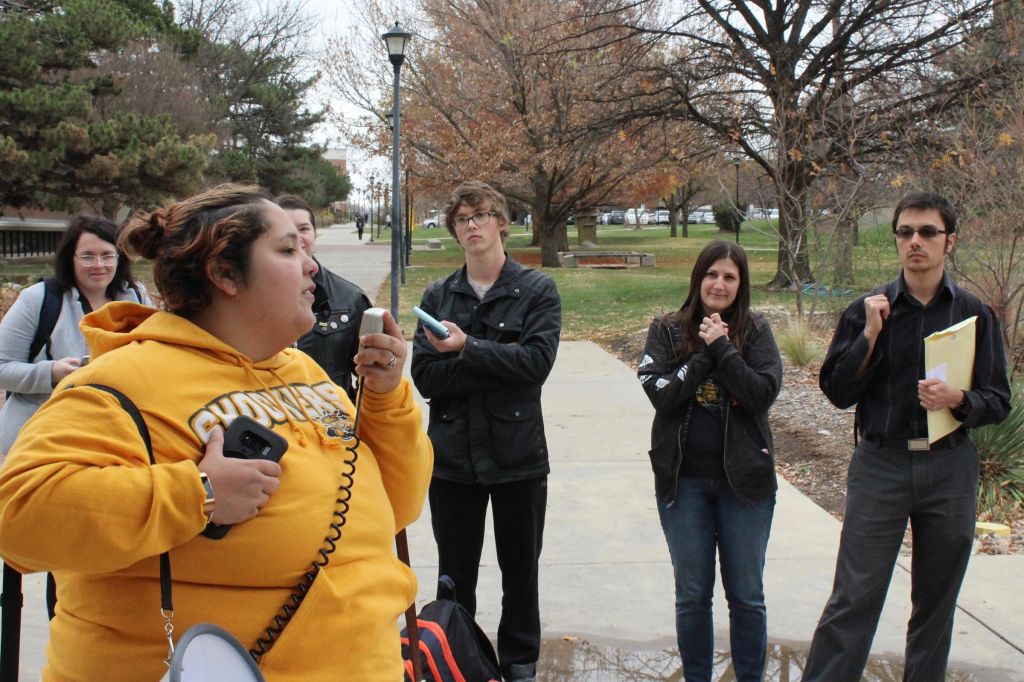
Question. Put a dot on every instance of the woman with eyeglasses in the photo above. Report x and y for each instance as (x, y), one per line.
(90, 271)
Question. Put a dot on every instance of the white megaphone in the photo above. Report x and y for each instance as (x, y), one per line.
(207, 653)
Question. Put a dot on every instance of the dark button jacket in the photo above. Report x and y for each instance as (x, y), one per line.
(485, 409)
(751, 383)
(334, 339)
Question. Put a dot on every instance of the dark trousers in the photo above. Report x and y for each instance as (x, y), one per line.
(458, 513)
(937, 492)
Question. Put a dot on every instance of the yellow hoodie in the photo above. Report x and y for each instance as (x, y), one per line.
(78, 497)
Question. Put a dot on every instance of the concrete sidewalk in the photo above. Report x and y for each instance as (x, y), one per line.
(605, 571)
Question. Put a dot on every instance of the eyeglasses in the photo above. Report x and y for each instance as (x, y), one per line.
(479, 219)
(926, 232)
(91, 259)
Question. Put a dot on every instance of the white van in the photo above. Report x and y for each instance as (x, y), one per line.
(637, 216)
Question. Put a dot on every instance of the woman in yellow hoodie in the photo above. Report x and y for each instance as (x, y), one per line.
(78, 496)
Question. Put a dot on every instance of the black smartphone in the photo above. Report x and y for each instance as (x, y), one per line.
(246, 438)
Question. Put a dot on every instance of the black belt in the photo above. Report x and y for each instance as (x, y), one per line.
(916, 444)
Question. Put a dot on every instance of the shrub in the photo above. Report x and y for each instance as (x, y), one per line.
(798, 343)
(1001, 451)
(727, 216)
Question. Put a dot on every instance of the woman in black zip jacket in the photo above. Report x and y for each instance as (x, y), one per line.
(712, 370)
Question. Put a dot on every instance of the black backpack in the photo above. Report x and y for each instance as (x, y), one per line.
(452, 646)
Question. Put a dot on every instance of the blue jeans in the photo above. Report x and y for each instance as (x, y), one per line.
(707, 514)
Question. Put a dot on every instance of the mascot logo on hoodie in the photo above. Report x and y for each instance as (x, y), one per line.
(276, 405)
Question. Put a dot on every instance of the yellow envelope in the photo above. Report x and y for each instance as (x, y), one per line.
(949, 355)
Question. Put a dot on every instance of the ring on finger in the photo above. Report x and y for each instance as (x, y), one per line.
(393, 361)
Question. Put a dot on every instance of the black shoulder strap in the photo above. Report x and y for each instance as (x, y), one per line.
(140, 424)
(49, 311)
(128, 406)
(11, 601)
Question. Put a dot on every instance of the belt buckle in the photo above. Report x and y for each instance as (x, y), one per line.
(918, 445)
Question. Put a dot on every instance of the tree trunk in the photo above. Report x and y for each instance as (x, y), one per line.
(794, 267)
(846, 232)
(553, 238)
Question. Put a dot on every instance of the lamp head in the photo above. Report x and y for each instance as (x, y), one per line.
(396, 38)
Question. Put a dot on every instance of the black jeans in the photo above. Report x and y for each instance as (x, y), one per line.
(937, 491)
(457, 514)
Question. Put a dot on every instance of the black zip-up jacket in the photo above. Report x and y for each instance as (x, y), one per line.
(751, 383)
(338, 306)
(485, 413)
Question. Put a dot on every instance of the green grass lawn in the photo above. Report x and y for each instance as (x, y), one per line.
(602, 304)
(599, 304)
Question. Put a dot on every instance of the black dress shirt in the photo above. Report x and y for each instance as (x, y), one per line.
(886, 391)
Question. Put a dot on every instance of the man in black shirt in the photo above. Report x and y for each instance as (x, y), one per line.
(876, 361)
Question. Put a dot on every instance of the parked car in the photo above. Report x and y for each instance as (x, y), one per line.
(635, 216)
(604, 217)
(433, 219)
(701, 215)
(616, 217)
(663, 216)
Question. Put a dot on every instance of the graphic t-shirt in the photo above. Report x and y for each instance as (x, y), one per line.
(705, 437)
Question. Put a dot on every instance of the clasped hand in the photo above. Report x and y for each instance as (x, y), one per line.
(711, 328)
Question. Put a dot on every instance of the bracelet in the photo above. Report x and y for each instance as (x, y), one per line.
(210, 502)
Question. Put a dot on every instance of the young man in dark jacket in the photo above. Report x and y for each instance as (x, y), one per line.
(484, 386)
(338, 306)
(898, 473)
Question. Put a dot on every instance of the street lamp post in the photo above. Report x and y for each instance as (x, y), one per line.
(739, 215)
(396, 39)
(408, 226)
(371, 189)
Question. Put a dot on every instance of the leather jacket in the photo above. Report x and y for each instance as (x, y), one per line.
(751, 383)
(486, 423)
(334, 339)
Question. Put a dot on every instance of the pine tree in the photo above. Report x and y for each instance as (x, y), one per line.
(55, 150)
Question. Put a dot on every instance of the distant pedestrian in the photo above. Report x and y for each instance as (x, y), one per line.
(338, 306)
(876, 362)
(359, 226)
(712, 370)
(484, 386)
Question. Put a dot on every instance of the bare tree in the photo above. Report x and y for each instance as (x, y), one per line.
(490, 97)
(782, 80)
(978, 162)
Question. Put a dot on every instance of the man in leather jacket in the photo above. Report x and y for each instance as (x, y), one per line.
(338, 306)
(484, 386)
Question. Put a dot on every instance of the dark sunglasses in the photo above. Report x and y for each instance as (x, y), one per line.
(926, 232)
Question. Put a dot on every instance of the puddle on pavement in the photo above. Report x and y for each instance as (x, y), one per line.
(579, 660)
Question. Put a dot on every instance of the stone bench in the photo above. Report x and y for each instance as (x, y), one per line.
(613, 260)
(435, 245)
